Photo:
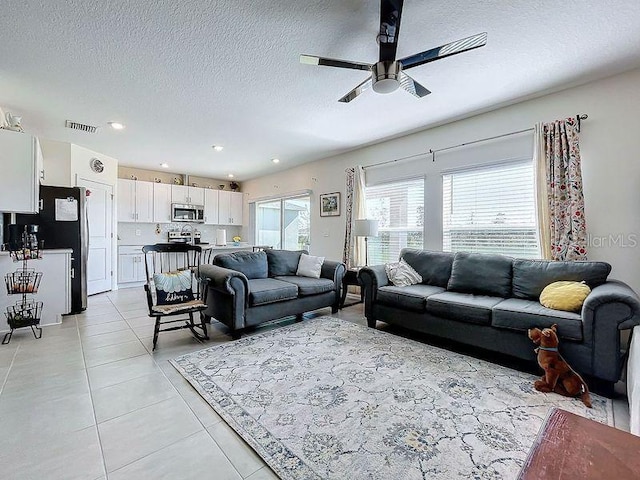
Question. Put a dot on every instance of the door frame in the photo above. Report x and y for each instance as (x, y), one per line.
(114, 228)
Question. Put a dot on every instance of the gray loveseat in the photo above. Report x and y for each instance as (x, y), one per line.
(490, 301)
(245, 289)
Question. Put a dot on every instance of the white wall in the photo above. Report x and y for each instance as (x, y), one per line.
(610, 143)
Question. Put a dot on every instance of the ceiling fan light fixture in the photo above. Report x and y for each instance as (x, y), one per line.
(386, 76)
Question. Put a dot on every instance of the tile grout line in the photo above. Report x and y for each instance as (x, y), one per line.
(6, 377)
(93, 409)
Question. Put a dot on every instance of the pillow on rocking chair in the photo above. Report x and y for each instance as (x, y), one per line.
(173, 287)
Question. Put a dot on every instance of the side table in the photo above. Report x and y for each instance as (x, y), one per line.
(570, 446)
(350, 278)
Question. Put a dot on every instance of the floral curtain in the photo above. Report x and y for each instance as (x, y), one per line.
(355, 208)
(562, 226)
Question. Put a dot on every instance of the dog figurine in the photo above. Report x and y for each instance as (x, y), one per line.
(558, 376)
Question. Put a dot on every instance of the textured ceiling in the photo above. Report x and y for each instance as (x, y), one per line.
(185, 75)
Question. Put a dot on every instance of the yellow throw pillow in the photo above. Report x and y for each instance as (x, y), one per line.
(567, 296)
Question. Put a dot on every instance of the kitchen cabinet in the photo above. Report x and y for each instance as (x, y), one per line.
(211, 206)
(135, 201)
(186, 194)
(161, 203)
(229, 208)
(22, 170)
(131, 265)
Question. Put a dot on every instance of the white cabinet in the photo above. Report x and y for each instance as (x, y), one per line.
(161, 203)
(21, 160)
(131, 265)
(135, 201)
(185, 194)
(210, 206)
(229, 208)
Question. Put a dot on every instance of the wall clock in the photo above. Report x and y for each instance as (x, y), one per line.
(96, 165)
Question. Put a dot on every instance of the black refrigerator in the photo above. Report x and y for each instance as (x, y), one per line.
(63, 223)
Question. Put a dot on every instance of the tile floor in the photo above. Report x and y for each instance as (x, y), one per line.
(90, 401)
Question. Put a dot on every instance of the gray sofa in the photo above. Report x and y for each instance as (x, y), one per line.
(245, 289)
(490, 301)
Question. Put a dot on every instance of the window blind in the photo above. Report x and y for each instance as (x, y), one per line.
(491, 210)
(399, 209)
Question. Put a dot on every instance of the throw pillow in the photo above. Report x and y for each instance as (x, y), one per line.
(566, 296)
(402, 274)
(173, 287)
(309, 266)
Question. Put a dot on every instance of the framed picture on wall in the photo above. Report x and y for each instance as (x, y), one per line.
(330, 204)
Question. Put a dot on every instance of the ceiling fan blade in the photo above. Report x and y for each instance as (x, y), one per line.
(443, 51)
(332, 62)
(366, 85)
(390, 14)
(414, 88)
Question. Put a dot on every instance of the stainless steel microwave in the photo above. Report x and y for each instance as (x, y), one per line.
(181, 212)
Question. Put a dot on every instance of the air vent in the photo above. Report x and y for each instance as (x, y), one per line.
(80, 126)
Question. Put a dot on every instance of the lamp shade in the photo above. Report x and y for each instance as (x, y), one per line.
(365, 228)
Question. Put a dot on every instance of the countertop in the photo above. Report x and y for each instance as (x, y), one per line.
(208, 246)
(45, 251)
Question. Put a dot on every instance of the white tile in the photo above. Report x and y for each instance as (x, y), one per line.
(121, 371)
(90, 330)
(69, 456)
(113, 353)
(142, 321)
(130, 437)
(46, 418)
(141, 311)
(106, 339)
(197, 457)
(242, 456)
(125, 397)
(29, 389)
(106, 317)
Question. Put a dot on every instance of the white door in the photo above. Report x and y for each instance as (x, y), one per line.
(126, 200)
(196, 195)
(236, 208)
(179, 194)
(161, 203)
(100, 217)
(224, 208)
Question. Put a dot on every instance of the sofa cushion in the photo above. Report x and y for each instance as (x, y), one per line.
(411, 297)
(519, 314)
(433, 267)
(251, 264)
(531, 276)
(308, 285)
(270, 290)
(283, 262)
(482, 274)
(464, 307)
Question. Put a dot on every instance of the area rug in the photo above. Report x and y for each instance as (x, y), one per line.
(331, 399)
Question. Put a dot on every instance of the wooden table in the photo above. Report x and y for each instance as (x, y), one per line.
(573, 447)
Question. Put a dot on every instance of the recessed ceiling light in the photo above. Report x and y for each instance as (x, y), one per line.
(164, 165)
(275, 160)
(218, 148)
(230, 175)
(116, 125)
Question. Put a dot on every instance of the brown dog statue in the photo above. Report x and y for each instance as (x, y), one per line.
(558, 376)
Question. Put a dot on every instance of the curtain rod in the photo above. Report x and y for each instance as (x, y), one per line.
(579, 117)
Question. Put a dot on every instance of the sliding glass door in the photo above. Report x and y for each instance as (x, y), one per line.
(284, 223)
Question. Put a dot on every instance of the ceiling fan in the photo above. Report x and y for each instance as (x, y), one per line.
(388, 73)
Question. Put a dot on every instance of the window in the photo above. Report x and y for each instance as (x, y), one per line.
(284, 223)
(399, 208)
(491, 210)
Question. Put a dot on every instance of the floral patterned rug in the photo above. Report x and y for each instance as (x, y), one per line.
(330, 399)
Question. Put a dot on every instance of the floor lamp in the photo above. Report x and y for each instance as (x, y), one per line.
(365, 228)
